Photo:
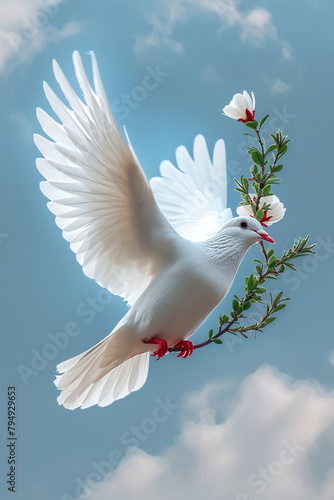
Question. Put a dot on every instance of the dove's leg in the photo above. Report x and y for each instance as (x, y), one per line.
(162, 343)
(188, 348)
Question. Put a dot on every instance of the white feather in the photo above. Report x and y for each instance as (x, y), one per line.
(193, 196)
(98, 190)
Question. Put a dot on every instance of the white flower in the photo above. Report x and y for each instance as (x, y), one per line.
(273, 214)
(241, 108)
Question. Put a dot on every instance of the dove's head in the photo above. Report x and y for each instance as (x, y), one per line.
(245, 230)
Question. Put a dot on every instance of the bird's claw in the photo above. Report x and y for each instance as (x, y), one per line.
(162, 349)
(186, 345)
(188, 348)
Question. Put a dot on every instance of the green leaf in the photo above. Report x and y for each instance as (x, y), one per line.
(275, 140)
(266, 190)
(280, 307)
(270, 320)
(258, 261)
(235, 305)
(277, 298)
(243, 335)
(263, 120)
(223, 319)
(291, 266)
(238, 183)
(245, 183)
(271, 148)
(278, 168)
(259, 215)
(258, 269)
(210, 334)
(246, 305)
(257, 157)
(272, 262)
(217, 341)
(270, 253)
(250, 283)
(252, 125)
(273, 181)
(282, 151)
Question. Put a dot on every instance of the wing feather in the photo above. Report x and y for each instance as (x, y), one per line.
(193, 196)
(97, 190)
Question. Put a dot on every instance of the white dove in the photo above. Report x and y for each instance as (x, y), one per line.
(107, 212)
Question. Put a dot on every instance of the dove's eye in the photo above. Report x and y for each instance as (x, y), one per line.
(243, 224)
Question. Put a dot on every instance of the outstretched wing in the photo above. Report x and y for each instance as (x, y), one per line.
(193, 197)
(99, 194)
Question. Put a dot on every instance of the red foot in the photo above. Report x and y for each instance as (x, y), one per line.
(188, 348)
(162, 349)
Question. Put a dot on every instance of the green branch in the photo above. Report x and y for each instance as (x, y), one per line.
(263, 176)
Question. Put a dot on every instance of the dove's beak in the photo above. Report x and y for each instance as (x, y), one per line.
(265, 236)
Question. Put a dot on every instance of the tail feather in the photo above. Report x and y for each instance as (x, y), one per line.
(69, 363)
(108, 371)
(116, 386)
(131, 377)
(72, 376)
(138, 373)
(93, 395)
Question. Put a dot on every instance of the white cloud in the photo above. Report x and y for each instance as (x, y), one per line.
(255, 25)
(25, 29)
(279, 87)
(286, 50)
(274, 437)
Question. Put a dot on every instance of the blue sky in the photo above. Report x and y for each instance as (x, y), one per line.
(209, 423)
